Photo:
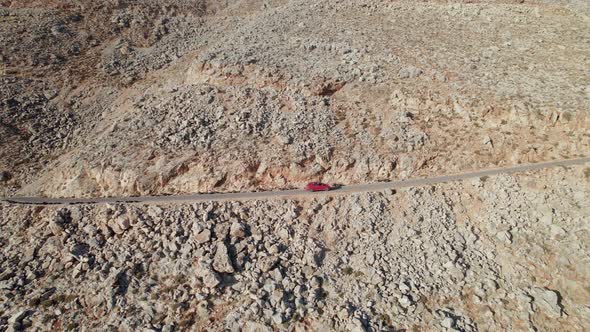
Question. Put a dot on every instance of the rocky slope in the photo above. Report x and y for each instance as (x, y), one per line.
(118, 98)
(498, 253)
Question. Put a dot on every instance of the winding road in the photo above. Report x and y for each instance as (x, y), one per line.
(241, 196)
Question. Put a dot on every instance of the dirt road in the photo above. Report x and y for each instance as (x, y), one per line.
(369, 187)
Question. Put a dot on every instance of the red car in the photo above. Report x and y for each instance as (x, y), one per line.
(317, 186)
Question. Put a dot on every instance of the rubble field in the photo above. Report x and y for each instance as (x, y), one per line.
(497, 253)
(165, 97)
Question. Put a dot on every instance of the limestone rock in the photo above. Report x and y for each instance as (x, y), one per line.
(410, 72)
(203, 237)
(267, 263)
(210, 278)
(222, 261)
(15, 322)
(237, 230)
(547, 300)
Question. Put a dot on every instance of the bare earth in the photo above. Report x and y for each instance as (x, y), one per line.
(169, 97)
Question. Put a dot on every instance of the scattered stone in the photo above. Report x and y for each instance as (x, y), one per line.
(5, 176)
(59, 222)
(267, 263)
(278, 318)
(314, 254)
(405, 301)
(403, 287)
(119, 224)
(15, 322)
(123, 223)
(315, 282)
(237, 230)
(447, 322)
(410, 72)
(203, 237)
(222, 262)
(505, 237)
(547, 300)
(210, 278)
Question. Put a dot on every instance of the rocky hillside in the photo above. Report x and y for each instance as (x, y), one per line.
(117, 98)
(506, 253)
(158, 97)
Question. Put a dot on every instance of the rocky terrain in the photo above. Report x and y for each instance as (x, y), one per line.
(116, 98)
(505, 253)
(160, 97)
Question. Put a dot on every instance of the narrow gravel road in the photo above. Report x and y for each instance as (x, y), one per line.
(370, 187)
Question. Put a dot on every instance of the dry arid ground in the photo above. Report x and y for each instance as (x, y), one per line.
(501, 253)
(160, 97)
(120, 98)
